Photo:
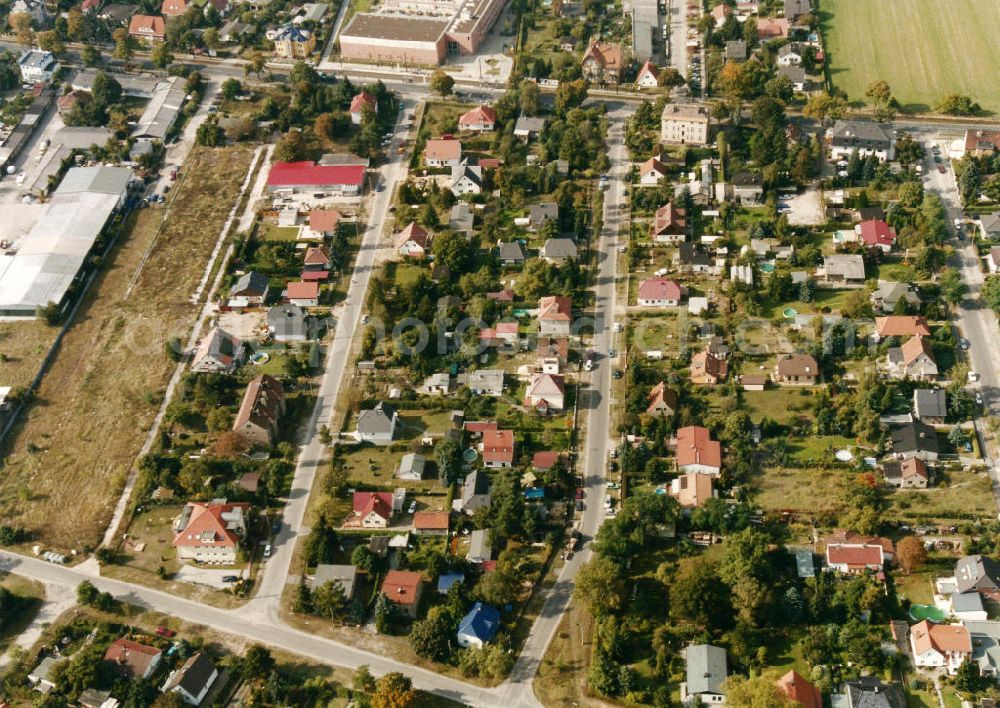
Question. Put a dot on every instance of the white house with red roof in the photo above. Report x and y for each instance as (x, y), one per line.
(695, 451)
(648, 76)
(403, 588)
(504, 333)
(373, 510)
(307, 176)
(854, 558)
(316, 263)
(362, 102)
(876, 233)
(322, 223)
(546, 393)
(443, 152)
(659, 292)
(413, 241)
(304, 293)
(555, 314)
(132, 660)
(652, 172)
(480, 119)
(940, 646)
(210, 532)
(498, 448)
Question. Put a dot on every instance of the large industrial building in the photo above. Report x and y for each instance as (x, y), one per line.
(162, 110)
(419, 31)
(40, 267)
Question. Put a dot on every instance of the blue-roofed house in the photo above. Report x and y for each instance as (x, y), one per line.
(479, 626)
(446, 580)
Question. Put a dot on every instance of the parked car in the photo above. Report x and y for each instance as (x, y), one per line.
(964, 344)
(267, 551)
(979, 398)
(230, 578)
(164, 632)
(617, 374)
(579, 493)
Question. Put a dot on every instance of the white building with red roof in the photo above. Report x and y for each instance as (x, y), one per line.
(480, 119)
(876, 233)
(648, 76)
(546, 393)
(210, 532)
(695, 451)
(442, 152)
(362, 102)
(413, 241)
(373, 510)
(307, 176)
(303, 293)
(940, 646)
(659, 292)
(498, 448)
(403, 588)
(555, 315)
(652, 172)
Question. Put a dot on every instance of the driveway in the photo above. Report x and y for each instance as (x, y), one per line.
(201, 575)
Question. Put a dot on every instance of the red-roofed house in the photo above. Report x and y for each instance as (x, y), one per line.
(659, 292)
(707, 368)
(323, 223)
(545, 460)
(940, 645)
(431, 523)
(498, 448)
(373, 509)
(364, 101)
(697, 452)
(303, 293)
(652, 172)
(662, 400)
(307, 176)
(504, 333)
(555, 313)
(133, 660)
(403, 588)
(479, 120)
(412, 241)
(901, 326)
(173, 8)
(648, 76)
(981, 143)
(316, 263)
(854, 558)
(875, 233)
(147, 27)
(443, 153)
(800, 691)
(603, 63)
(768, 28)
(669, 225)
(210, 532)
(88, 6)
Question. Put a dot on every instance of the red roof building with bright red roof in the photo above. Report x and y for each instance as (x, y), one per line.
(308, 176)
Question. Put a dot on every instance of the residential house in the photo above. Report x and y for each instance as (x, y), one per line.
(485, 382)
(981, 143)
(748, 187)
(260, 411)
(336, 175)
(705, 675)
(887, 295)
(480, 119)
(914, 360)
(148, 27)
(794, 9)
(498, 448)
(404, 588)
(691, 258)
(799, 690)
(304, 293)
(291, 42)
(37, 66)
(669, 224)
(910, 473)
(940, 645)
(796, 370)
(377, 425)
(692, 489)
(915, 439)
(540, 213)
(555, 314)
(865, 136)
(131, 660)
(528, 127)
(930, 405)
(790, 55)
(695, 451)
(287, 323)
(772, 28)
(707, 369)
(736, 50)
(870, 692)
(249, 290)
(173, 8)
(373, 510)
(41, 677)
(411, 467)
(989, 225)
(684, 124)
(979, 574)
(431, 523)
(476, 491)
(512, 253)
(504, 334)
(968, 607)
(559, 250)
(461, 219)
(855, 558)
(652, 172)
(362, 103)
(233, 31)
(439, 384)
(117, 14)
(901, 326)
(844, 268)
(34, 9)
(876, 234)
(344, 576)
(322, 223)
(210, 532)
(659, 292)
(719, 13)
(603, 63)
(466, 179)
(662, 400)
(553, 348)
(479, 546)
(441, 152)
(218, 353)
(413, 241)
(545, 460)
(796, 75)
(546, 393)
(479, 626)
(316, 263)
(193, 680)
(648, 76)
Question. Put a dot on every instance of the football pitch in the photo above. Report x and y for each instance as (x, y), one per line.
(924, 49)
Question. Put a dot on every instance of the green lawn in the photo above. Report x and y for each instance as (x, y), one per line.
(783, 404)
(924, 49)
(270, 232)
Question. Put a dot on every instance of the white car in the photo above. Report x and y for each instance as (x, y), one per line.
(973, 376)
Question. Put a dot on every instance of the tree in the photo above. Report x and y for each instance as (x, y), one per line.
(448, 457)
(697, 595)
(911, 554)
(908, 150)
(879, 93)
(257, 663)
(124, 44)
(329, 600)
(363, 679)
(394, 690)
(86, 593)
(756, 692)
(599, 586)
(291, 148)
(953, 288)
(911, 193)
(256, 63)
(958, 105)
(453, 250)
(823, 106)
(161, 56)
(991, 292)
(21, 22)
(50, 42)
(529, 97)
(431, 637)
(669, 78)
(442, 82)
(90, 55)
(968, 678)
(570, 94)
(210, 134)
(230, 89)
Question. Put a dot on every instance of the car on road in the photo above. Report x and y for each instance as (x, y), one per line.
(979, 398)
(973, 376)
(267, 551)
(617, 374)
(963, 344)
(579, 493)
(937, 158)
(230, 578)
(164, 632)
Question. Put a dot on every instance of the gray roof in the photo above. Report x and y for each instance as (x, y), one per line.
(559, 248)
(685, 111)
(81, 136)
(314, 11)
(789, 49)
(967, 602)
(37, 59)
(890, 292)
(930, 403)
(805, 565)
(234, 29)
(861, 133)
(736, 49)
(914, 437)
(706, 669)
(412, 465)
(795, 74)
(377, 420)
(473, 172)
(976, 573)
(847, 265)
(476, 490)
(871, 692)
(485, 380)
(136, 85)
(528, 124)
(991, 222)
(461, 217)
(479, 546)
(342, 574)
(511, 251)
(287, 319)
(794, 8)
(645, 22)
(253, 282)
(543, 212)
(99, 180)
(162, 110)
(44, 668)
(194, 676)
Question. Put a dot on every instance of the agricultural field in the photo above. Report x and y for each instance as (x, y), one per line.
(70, 454)
(924, 49)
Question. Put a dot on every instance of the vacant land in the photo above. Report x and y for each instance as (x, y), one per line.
(23, 345)
(924, 49)
(69, 456)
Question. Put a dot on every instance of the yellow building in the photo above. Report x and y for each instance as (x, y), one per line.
(294, 43)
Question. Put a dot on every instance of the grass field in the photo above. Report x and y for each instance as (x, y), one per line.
(23, 345)
(924, 49)
(68, 457)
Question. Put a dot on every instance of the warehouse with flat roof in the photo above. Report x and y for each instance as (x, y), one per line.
(41, 266)
(162, 110)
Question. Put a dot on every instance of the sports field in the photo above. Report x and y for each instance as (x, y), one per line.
(924, 49)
